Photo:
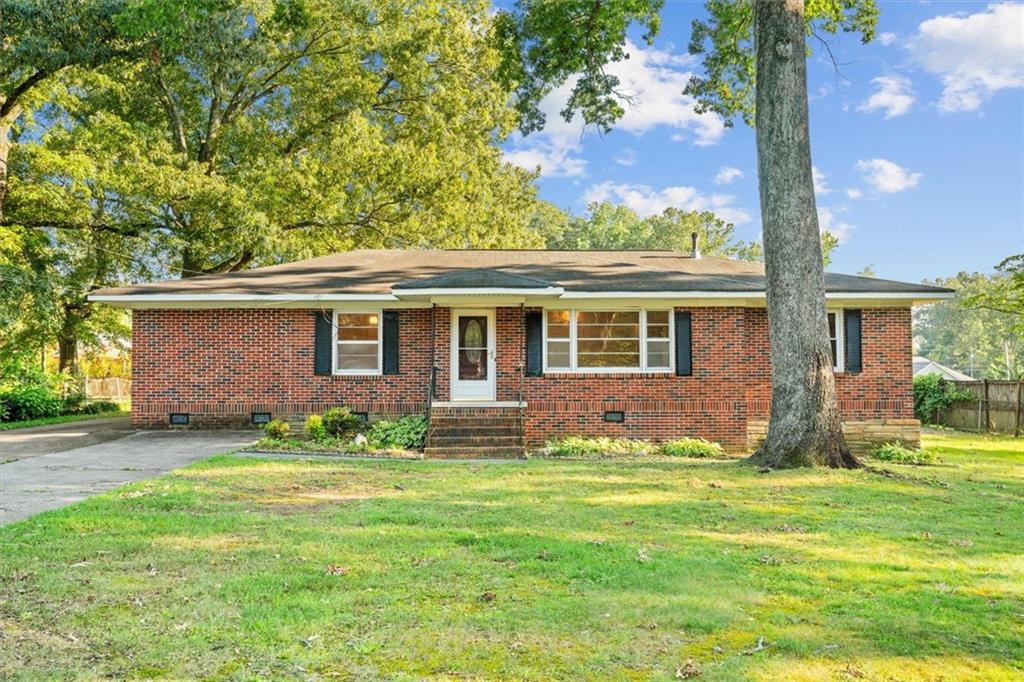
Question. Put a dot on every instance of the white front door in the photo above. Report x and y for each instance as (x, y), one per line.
(472, 360)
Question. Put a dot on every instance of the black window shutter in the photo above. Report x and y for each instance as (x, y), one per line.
(684, 344)
(391, 342)
(534, 344)
(322, 344)
(852, 340)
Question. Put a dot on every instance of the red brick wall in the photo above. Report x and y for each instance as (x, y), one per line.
(221, 365)
(658, 406)
(884, 387)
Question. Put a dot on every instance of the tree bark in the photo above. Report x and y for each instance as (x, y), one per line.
(804, 427)
(5, 150)
(67, 349)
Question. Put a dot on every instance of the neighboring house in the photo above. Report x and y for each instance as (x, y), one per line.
(924, 366)
(505, 348)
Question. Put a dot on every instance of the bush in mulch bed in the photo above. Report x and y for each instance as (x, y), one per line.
(332, 434)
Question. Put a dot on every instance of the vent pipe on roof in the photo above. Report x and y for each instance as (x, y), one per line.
(694, 248)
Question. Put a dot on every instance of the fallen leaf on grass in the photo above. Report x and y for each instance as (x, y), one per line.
(687, 670)
(851, 673)
(488, 597)
(761, 646)
(334, 569)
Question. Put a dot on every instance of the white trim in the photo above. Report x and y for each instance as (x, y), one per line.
(334, 344)
(573, 334)
(478, 403)
(917, 296)
(453, 355)
(240, 297)
(480, 291)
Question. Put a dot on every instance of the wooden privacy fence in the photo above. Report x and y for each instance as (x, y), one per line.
(996, 406)
(113, 388)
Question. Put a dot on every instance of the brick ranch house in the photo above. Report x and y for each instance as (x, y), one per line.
(505, 349)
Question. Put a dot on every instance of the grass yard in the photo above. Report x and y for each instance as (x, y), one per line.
(241, 568)
(61, 419)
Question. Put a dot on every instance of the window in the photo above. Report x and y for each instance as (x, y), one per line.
(559, 341)
(835, 338)
(607, 340)
(659, 340)
(357, 347)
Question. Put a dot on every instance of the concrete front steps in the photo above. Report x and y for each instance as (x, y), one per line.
(474, 433)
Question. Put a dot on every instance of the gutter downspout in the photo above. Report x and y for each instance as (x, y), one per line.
(522, 374)
(432, 375)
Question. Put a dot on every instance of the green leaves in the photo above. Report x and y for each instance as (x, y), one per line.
(726, 41)
(544, 43)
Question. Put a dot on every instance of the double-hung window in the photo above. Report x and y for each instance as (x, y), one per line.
(835, 338)
(357, 343)
(607, 340)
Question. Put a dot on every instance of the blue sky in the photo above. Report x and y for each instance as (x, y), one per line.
(918, 147)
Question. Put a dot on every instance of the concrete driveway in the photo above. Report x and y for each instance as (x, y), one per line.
(53, 466)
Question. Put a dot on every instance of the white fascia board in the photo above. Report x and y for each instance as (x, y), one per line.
(912, 298)
(255, 298)
(481, 291)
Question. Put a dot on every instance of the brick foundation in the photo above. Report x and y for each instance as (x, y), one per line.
(221, 365)
(861, 436)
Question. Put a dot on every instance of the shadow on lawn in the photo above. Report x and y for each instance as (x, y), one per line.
(589, 566)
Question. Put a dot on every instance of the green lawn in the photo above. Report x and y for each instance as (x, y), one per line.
(60, 419)
(241, 568)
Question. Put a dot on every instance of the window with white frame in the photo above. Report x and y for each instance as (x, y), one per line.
(607, 340)
(357, 343)
(835, 338)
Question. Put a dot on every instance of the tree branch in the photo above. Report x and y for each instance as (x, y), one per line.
(11, 100)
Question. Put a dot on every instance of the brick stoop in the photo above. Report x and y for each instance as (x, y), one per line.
(474, 433)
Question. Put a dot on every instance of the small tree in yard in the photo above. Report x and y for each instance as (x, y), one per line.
(754, 58)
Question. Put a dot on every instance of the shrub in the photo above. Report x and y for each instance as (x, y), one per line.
(932, 395)
(692, 447)
(577, 446)
(407, 433)
(99, 407)
(899, 453)
(339, 421)
(31, 402)
(277, 429)
(314, 427)
(74, 403)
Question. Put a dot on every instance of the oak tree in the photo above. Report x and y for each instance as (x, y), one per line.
(755, 67)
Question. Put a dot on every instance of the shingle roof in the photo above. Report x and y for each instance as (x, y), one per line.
(377, 271)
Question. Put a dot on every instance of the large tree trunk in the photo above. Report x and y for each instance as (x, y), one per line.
(804, 428)
(67, 349)
(5, 151)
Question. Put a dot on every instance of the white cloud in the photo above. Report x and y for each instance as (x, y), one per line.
(854, 193)
(646, 200)
(974, 55)
(558, 158)
(828, 221)
(886, 38)
(895, 95)
(886, 176)
(653, 80)
(626, 158)
(727, 174)
(820, 184)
